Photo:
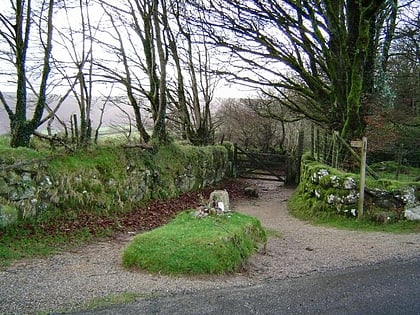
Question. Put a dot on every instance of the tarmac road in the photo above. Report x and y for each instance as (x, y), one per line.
(392, 287)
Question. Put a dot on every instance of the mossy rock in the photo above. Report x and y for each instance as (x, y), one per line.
(8, 215)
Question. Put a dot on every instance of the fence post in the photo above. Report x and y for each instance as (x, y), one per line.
(318, 149)
(299, 154)
(312, 141)
(400, 156)
(235, 160)
(335, 149)
(362, 176)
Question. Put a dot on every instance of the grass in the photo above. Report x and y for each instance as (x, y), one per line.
(299, 208)
(17, 244)
(187, 245)
(10, 155)
(100, 302)
(389, 170)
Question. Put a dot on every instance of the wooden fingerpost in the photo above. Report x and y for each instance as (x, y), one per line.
(363, 145)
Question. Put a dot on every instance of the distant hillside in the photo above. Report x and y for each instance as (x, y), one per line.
(113, 116)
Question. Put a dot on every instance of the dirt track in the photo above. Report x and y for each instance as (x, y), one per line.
(303, 248)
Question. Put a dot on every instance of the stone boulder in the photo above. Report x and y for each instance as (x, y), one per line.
(412, 213)
(251, 191)
(219, 200)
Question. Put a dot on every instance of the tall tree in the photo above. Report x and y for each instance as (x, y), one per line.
(394, 120)
(316, 49)
(138, 37)
(16, 32)
(195, 83)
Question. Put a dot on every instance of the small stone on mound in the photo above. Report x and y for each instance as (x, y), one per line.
(219, 200)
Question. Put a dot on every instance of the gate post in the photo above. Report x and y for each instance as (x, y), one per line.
(300, 153)
(235, 160)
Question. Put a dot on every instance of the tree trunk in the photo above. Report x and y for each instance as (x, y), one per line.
(21, 132)
(21, 129)
(354, 124)
(159, 130)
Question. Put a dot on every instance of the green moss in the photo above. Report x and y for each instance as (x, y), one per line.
(323, 189)
(108, 161)
(10, 155)
(187, 245)
(8, 215)
(113, 178)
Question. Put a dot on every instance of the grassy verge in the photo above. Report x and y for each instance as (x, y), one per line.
(299, 207)
(21, 244)
(187, 245)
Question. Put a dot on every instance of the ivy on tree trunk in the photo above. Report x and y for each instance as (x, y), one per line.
(21, 129)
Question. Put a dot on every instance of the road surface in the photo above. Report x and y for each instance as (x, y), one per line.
(391, 287)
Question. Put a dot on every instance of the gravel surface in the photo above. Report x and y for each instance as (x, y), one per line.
(73, 279)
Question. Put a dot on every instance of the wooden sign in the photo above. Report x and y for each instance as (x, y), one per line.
(356, 144)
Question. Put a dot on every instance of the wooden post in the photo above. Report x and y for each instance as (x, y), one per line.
(235, 160)
(312, 141)
(400, 155)
(334, 153)
(318, 149)
(362, 177)
(299, 153)
(324, 148)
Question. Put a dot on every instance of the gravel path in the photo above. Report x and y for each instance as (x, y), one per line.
(72, 279)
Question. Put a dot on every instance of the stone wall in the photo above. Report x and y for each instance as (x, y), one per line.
(105, 182)
(327, 189)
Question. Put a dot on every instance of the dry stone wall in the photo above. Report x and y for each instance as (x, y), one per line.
(32, 189)
(327, 189)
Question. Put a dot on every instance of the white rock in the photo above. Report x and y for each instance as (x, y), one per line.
(412, 213)
(349, 183)
(407, 195)
(330, 199)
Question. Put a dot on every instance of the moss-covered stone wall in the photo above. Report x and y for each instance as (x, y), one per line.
(104, 179)
(328, 189)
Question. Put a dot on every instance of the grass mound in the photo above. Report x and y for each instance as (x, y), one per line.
(187, 245)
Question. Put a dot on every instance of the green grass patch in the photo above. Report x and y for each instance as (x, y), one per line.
(391, 170)
(187, 245)
(10, 155)
(17, 244)
(123, 298)
(301, 208)
(100, 302)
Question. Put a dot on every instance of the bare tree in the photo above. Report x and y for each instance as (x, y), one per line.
(252, 128)
(17, 21)
(195, 83)
(143, 57)
(270, 108)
